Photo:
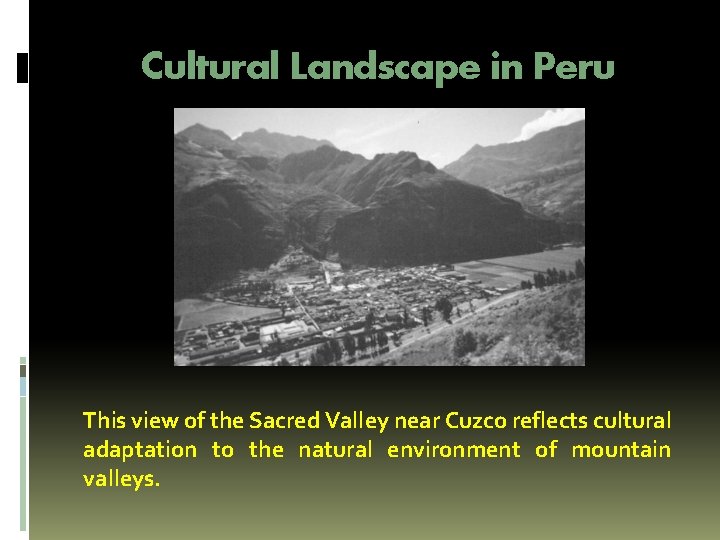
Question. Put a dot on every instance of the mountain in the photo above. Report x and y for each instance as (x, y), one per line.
(312, 219)
(325, 167)
(412, 213)
(545, 173)
(432, 217)
(207, 138)
(234, 210)
(252, 143)
(264, 143)
(351, 176)
(384, 171)
(223, 225)
(196, 165)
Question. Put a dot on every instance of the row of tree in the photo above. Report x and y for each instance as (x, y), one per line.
(333, 350)
(553, 276)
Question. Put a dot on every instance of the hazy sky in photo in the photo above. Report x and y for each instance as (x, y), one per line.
(438, 135)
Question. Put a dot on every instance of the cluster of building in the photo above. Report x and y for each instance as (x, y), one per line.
(389, 293)
(238, 341)
(248, 292)
(269, 288)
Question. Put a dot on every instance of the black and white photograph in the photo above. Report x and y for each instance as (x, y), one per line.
(379, 237)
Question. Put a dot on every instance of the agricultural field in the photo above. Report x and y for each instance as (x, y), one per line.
(510, 271)
(195, 313)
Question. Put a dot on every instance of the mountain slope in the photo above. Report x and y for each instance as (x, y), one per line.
(537, 327)
(312, 218)
(224, 225)
(325, 167)
(546, 173)
(196, 165)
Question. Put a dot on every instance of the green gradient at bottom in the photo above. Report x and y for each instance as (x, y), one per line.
(562, 498)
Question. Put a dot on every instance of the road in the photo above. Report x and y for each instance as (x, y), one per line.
(328, 281)
(290, 290)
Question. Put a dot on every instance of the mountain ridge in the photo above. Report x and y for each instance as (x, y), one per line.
(260, 142)
(278, 144)
(545, 173)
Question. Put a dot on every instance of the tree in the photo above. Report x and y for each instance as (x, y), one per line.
(324, 354)
(349, 344)
(336, 351)
(320, 355)
(329, 354)
(372, 341)
(465, 342)
(444, 306)
(369, 321)
(580, 269)
(382, 340)
(361, 344)
(314, 359)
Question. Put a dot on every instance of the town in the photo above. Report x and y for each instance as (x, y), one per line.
(315, 313)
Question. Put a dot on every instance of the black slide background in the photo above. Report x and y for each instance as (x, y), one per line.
(100, 297)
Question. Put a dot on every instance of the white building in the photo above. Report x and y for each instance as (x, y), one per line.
(282, 332)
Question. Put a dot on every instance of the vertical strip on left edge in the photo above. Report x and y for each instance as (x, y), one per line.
(23, 444)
